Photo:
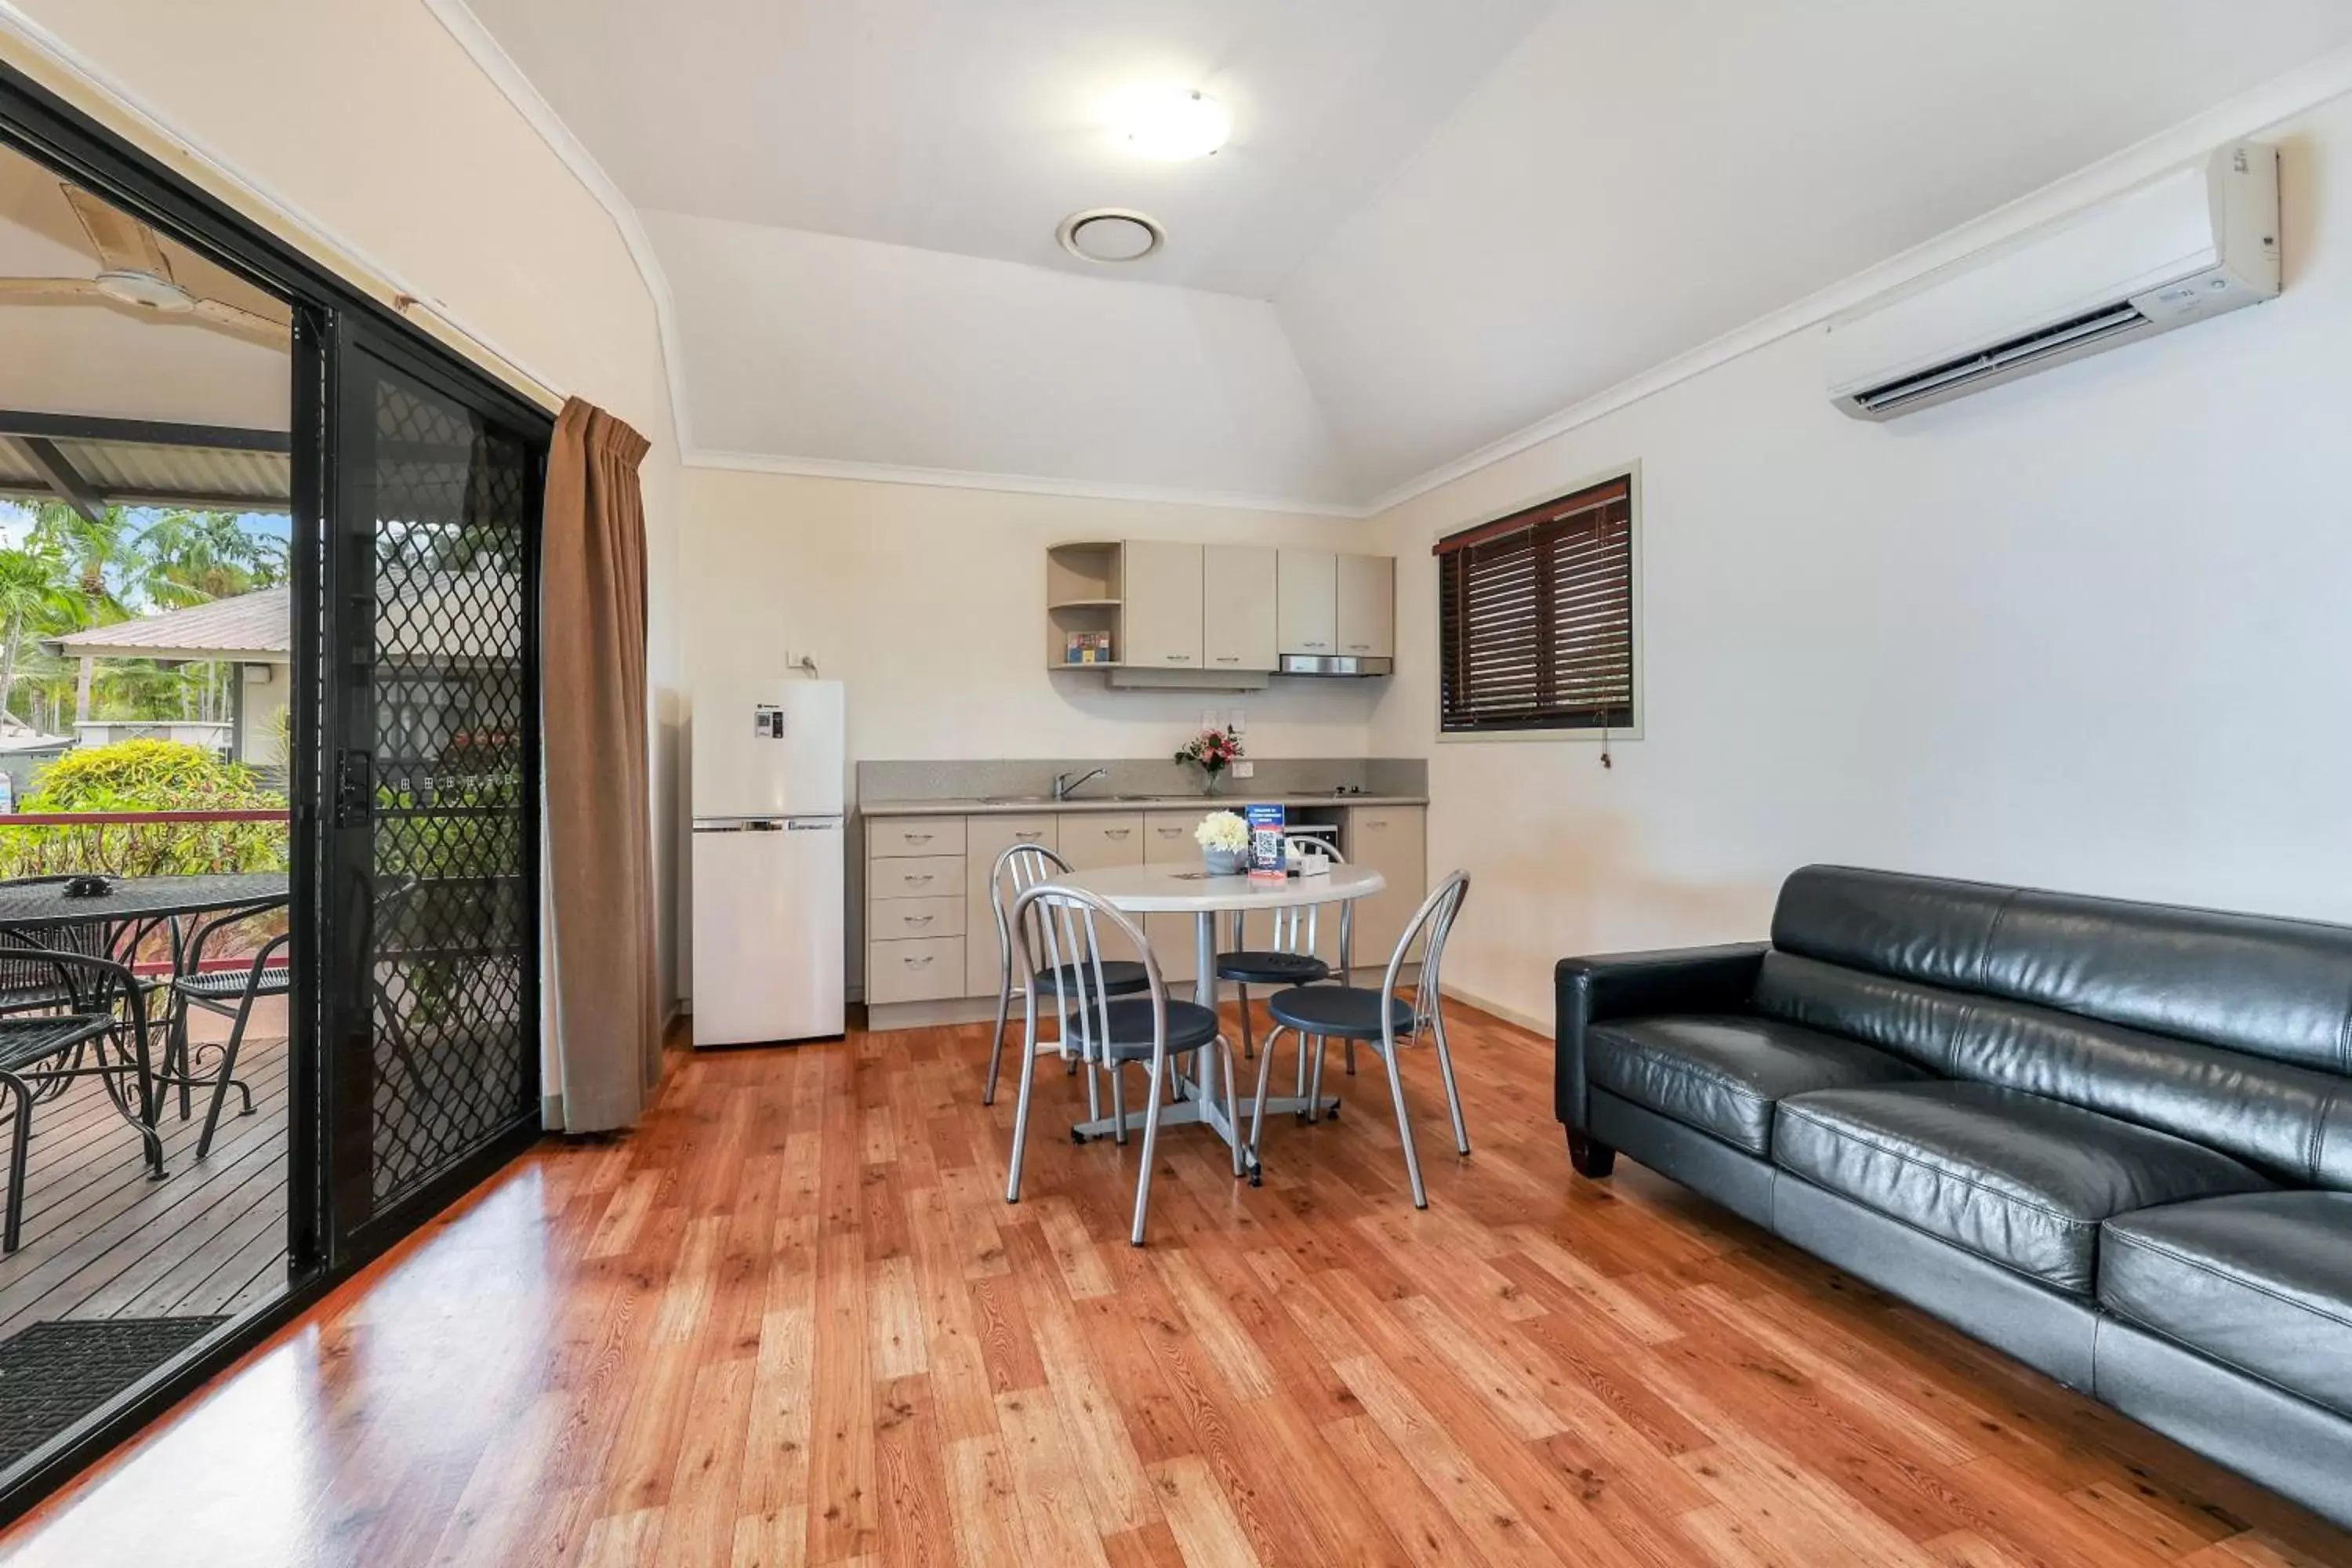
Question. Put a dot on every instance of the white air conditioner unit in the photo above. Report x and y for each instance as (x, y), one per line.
(2186, 246)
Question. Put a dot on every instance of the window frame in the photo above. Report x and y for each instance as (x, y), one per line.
(1630, 475)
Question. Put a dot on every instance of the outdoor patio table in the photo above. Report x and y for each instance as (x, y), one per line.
(31, 906)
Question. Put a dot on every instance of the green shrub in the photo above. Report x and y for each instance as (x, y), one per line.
(146, 775)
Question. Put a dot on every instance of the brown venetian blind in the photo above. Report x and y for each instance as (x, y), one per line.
(1536, 617)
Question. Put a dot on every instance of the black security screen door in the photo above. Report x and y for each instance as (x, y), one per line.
(430, 718)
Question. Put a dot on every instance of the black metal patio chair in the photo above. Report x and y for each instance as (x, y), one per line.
(98, 1029)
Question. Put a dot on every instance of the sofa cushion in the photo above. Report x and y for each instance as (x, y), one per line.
(2019, 1179)
(1722, 1075)
(2261, 1282)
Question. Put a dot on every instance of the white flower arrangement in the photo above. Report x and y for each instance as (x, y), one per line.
(1222, 830)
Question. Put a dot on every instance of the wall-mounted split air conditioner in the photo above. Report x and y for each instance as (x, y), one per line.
(2189, 244)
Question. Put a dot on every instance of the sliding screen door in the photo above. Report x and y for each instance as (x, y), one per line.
(430, 717)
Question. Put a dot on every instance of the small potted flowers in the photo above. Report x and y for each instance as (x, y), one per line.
(1223, 838)
(1210, 751)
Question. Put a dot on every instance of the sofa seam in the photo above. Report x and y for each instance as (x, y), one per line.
(1990, 1192)
(2129, 1240)
(1984, 952)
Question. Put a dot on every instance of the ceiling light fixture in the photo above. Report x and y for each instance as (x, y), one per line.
(1170, 122)
(1111, 234)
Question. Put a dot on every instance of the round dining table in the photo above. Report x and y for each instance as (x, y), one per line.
(1185, 888)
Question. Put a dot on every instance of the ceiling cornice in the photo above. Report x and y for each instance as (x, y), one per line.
(1017, 484)
(2258, 110)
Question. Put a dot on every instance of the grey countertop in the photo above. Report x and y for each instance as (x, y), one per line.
(1235, 797)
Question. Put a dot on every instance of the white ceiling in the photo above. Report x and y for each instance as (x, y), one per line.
(1466, 215)
(975, 128)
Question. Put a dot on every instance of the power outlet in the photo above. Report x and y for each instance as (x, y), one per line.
(1243, 768)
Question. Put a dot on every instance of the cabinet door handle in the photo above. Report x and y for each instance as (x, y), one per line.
(1180, 659)
(1169, 832)
(1318, 645)
(1029, 837)
(1117, 832)
(1229, 658)
(917, 962)
(1359, 647)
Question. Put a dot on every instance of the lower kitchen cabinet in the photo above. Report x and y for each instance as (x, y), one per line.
(1394, 841)
(931, 953)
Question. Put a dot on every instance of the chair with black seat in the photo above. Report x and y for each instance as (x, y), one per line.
(1381, 1019)
(1289, 959)
(1021, 868)
(99, 1011)
(1103, 1029)
(227, 992)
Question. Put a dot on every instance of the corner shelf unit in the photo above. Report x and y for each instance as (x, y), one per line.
(1085, 586)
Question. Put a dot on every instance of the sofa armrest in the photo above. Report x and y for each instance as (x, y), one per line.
(1596, 988)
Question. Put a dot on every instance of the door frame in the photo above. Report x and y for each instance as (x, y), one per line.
(326, 307)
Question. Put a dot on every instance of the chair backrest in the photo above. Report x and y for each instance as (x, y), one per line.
(1435, 918)
(1024, 867)
(1297, 928)
(31, 982)
(1065, 924)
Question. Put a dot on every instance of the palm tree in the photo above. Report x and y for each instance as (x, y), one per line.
(31, 600)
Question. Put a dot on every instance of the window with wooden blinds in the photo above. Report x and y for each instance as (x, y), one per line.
(1536, 617)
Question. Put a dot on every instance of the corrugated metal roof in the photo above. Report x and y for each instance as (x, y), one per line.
(129, 472)
(257, 627)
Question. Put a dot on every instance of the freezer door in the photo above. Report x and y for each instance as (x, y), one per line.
(769, 956)
(768, 747)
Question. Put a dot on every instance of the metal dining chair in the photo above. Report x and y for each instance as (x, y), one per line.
(226, 992)
(1290, 959)
(1023, 867)
(1381, 1019)
(99, 1012)
(1101, 1029)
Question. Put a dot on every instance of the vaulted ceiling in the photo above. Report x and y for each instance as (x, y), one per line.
(1433, 224)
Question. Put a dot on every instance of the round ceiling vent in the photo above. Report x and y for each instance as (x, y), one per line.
(1111, 234)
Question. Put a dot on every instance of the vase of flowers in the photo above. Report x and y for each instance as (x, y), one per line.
(1211, 751)
(1223, 838)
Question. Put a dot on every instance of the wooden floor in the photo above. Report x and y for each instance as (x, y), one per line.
(791, 1321)
(100, 1240)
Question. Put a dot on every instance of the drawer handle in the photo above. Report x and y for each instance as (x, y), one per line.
(918, 920)
(1116, 832)
(919, 838)
(1169, 832)
(924, 877)
(1029, 837)
(1229, 658)
(1180, 659)
(918, 962)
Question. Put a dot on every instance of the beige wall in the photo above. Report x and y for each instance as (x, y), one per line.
(372, 121)
(2084, 631)
(929, 602)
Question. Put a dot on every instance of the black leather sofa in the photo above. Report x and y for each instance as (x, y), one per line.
(2113, 1139)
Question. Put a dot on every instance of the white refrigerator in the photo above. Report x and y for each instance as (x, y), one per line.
(770, 901)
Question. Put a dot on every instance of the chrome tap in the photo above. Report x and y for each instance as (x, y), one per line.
(1065, 786)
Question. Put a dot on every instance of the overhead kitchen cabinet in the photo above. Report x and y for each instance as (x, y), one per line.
(1152, 613)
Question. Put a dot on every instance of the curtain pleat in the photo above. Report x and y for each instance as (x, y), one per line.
(607, 1044)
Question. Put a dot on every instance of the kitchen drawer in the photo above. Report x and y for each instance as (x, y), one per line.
(890, 837)
(902, 919)
(926, 971)
(915, 877)
(1092, 840)
(1168, 836)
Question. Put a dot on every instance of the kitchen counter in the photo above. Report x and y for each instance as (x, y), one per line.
(1236, 797)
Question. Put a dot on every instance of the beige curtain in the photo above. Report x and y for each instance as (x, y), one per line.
(606, 1043)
